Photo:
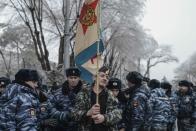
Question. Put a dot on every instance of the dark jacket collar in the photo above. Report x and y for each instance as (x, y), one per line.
(66, 89)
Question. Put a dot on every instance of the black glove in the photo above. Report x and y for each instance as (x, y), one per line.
(192, 121)
(49, 122)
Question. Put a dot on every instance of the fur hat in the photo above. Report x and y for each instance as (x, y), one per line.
(184, 83)
(4, 81)
(114, 83)
(73, 71)
(26, 75)
(166, 85)
(134, 77)
(154, 83)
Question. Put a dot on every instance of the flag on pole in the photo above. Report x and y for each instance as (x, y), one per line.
(88, 39)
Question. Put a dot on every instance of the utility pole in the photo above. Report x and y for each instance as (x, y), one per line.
(67, 34)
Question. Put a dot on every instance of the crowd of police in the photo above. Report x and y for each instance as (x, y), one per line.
(145, 105)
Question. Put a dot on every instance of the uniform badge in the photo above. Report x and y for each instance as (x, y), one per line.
(135, 103)
(32, 112)
(115, 84)
(73, 72)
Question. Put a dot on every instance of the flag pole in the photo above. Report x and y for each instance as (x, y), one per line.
(98, 41)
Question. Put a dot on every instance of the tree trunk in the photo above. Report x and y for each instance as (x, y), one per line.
(148, 69)
(4, 61)
(139, 65)
(147, 73)
(61, 51)
(72, 60)
(24, 64)
(39, 41)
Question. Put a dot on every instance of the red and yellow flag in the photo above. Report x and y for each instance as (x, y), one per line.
(88, 39)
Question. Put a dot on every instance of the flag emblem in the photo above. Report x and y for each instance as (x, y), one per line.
(88, 16)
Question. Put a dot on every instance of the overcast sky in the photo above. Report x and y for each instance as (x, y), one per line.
(172, 22)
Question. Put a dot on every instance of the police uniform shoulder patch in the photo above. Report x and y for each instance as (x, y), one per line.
(32, 112)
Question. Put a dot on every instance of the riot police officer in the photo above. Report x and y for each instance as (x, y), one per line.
(21, 104)
(63, 100)
(187, 107)
(135, 112)
(159, 108)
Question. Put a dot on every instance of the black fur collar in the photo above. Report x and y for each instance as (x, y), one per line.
(66, 89)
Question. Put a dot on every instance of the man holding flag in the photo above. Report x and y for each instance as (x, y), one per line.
(93, 116)
(95, 109)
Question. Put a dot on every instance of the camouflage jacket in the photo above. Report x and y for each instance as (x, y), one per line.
(20, 108)
(159, 108)
(83, 103)
(174, 107)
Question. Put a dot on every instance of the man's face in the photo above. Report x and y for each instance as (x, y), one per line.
(115, 92)
(1, 88)
(183, 89)
(103, 79)
(33, 84)
(73, 80)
